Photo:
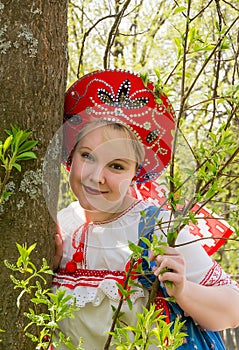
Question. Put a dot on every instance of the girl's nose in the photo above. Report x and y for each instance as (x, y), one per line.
(97, 175)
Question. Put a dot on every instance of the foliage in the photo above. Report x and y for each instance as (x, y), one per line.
(46, 308)
(151, 328)
(15, 149)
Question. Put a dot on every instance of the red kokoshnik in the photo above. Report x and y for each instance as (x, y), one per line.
(120, 96)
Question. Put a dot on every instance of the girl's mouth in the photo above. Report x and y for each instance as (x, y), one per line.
(93, 191)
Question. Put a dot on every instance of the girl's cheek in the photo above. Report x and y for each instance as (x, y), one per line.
(124, 186)
(74, 176)
(84, 171)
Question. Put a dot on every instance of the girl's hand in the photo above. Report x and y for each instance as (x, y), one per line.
(173, 261)
(58, 249)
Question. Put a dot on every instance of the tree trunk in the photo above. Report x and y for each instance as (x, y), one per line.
(33, 71)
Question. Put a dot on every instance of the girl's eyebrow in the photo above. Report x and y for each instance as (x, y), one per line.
(84, 147)
(125, 160)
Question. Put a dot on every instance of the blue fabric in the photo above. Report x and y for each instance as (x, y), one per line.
(197, 338)
(144, 231)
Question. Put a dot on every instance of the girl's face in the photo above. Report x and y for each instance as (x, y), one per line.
(101, 172)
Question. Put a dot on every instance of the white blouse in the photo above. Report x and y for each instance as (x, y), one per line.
(106, 252)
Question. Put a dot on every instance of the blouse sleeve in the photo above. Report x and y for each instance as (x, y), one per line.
(200, 268)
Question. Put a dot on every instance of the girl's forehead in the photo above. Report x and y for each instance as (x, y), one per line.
(104, 134)
(113, 142)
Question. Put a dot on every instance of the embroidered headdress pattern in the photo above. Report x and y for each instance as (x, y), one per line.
(122, 98)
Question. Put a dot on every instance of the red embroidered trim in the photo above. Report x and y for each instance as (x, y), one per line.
(121, 214)
(90, 273)
(217, 277)
(82, 237)
(86, 278)
(213, 275)
(81, 248)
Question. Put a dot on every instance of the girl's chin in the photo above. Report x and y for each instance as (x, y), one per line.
(104, 206)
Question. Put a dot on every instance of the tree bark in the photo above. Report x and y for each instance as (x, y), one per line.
(33, 74)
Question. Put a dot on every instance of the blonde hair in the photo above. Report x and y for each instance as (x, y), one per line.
(137, 146)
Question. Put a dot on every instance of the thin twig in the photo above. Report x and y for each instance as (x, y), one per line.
(182, 101)
(84, 39)
(201, 11)
(208, 59)
(205, 238)
(218, 57)
(3, 184)
(113, 32)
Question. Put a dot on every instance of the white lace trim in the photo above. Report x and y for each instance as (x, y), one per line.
(93, 289)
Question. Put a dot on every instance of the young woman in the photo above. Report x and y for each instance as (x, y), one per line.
(116, 135)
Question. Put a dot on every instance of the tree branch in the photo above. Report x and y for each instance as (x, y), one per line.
(84, 40)
(113, 32)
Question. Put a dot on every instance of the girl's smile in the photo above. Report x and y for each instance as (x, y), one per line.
(93, 191)
(102, 170)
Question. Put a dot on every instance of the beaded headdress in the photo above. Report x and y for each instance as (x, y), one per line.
(120, 96)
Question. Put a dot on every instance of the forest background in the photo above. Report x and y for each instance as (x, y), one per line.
(188, 48)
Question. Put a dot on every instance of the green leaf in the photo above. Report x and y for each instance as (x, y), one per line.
(179, 9)
(145, 78)
(157, 72)
(31, 248)
(26, 156)
(5, 195)
(146, 241)
(135, 248)
(7, 143)
(26, 146)
(171, 237)
(129, 302)
(17, 166)
(21, 136)
(192, 217)
(16, 141)
(178, 43)
(1, 149)
(143, 214)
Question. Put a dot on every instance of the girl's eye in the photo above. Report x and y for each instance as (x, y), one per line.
(87, 155)
(117, 166)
